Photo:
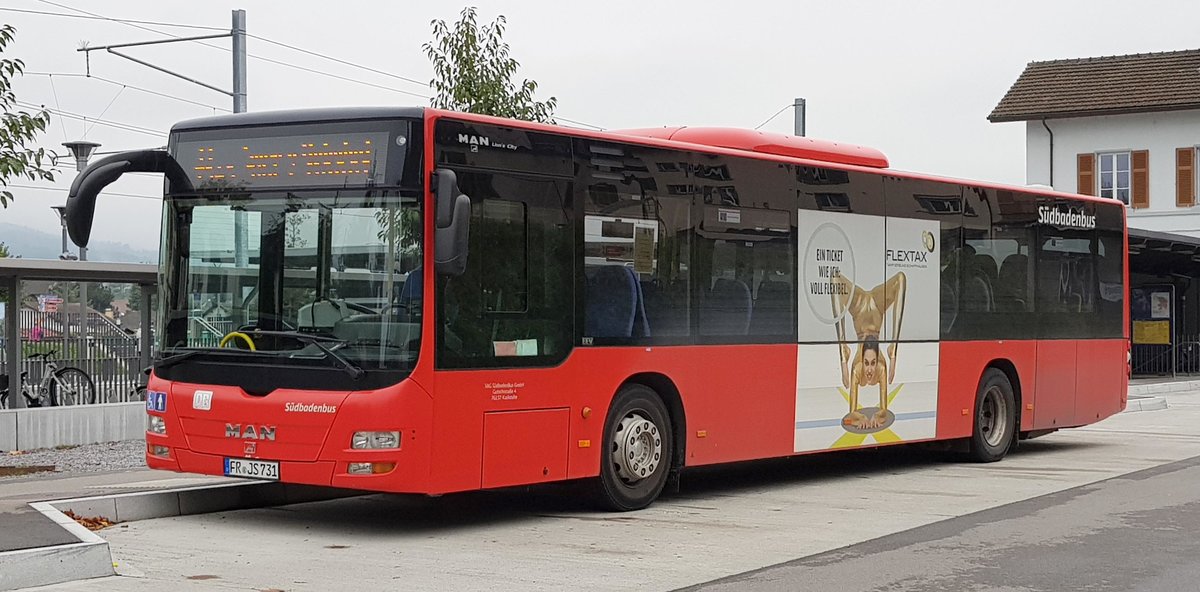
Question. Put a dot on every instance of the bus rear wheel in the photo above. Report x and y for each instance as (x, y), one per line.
(995, 417)
(637, 450)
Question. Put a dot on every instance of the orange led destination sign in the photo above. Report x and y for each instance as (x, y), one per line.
(341, 159)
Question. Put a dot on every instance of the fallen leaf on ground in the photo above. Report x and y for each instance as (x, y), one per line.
(89, 522)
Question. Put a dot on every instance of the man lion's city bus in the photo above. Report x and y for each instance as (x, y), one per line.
(415, 300)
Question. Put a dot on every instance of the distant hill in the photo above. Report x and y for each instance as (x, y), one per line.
(35, 244)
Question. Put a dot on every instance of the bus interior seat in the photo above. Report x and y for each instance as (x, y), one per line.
(772, 309)
(612, 302)
(986, 265)
(1012, 283)
(411, 291)
(976, 293)
(322, 314)
(725, 310)
(666, 315)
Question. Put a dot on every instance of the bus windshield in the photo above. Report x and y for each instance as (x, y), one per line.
(300, 278)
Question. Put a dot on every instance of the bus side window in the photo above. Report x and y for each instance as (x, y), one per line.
(637, 243)
(513, 304)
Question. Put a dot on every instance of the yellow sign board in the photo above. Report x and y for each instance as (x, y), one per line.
(1152, 332)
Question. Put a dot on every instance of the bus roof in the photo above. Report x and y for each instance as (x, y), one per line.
(255, 118)
(767, 143)
(732, 141)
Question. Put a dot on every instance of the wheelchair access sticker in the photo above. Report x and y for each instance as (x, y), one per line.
(156, 401)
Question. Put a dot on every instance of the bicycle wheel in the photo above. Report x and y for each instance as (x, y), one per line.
(72, 386)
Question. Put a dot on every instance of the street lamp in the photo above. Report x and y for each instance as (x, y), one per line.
(82, 150)
(66, 254)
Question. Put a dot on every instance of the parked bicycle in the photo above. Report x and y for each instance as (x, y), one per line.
(58, 386)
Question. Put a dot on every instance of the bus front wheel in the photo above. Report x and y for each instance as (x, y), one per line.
(995, 417)
(637, 450)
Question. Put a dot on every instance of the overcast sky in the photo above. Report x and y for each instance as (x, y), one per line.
(914, 79)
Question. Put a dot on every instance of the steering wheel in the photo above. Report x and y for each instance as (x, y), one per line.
(238, 335)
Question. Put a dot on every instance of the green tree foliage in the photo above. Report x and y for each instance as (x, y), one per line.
(474, 73)
(18, 128)
(4, 250)
(100, 296)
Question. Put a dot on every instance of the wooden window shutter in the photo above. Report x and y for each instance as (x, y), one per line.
(1185, 177)
(1087, 174)
(1139, 161)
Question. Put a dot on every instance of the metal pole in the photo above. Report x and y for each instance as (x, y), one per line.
(239, 61)
(799, 105)
(240, 255)
(146, 316)
(12, 343)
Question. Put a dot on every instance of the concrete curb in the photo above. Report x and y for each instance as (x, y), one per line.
(1161, 388)
(91, 557)
(1145, 403)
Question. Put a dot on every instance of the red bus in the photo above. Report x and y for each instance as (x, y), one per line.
(415, 300)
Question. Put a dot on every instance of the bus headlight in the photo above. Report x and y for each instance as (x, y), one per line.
(375, 440)
(156, 425)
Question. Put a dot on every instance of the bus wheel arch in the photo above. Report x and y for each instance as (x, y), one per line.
(669, 393)
(996, 414)
(1014, 378)
(638, 449)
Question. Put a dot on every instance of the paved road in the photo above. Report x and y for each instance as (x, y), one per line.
(725, 522)
(1134, 532)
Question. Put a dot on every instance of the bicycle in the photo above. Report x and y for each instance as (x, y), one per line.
(58, 386)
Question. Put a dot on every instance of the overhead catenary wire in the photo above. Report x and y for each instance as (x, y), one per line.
(131, 87)
(106, 192)
(54, 91)
(785, 108)
(106, 108)
(130, 23)
(337, 60)
(104, 18)
(257, 57)
(105, 122)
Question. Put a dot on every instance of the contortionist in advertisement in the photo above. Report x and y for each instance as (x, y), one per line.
(868, 309)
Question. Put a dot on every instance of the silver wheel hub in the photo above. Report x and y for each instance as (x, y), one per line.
(637, 448)
(993, 417)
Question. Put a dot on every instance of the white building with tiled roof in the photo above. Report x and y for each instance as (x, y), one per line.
(1125, 127)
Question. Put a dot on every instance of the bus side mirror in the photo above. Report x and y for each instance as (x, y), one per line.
(452, 224)
(81, 200)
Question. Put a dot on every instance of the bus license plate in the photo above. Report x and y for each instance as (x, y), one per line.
(254, 469)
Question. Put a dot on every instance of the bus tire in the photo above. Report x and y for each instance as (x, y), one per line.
(995, 418)
(637, 452)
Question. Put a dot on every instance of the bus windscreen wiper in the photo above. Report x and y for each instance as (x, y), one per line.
(318, 341)
(172, 359)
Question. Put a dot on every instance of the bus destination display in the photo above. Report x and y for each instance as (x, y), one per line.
(337, 159)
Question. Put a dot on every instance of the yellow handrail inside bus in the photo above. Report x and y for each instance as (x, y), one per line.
(228, 337)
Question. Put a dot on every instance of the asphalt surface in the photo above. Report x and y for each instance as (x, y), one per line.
(725, 521)
(22, 527)
(1133, 532)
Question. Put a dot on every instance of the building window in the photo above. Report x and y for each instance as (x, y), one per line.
(1114, 175)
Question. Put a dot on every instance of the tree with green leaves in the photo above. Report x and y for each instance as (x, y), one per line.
(473, 72)
(4, 250)
(100, 296)
(18, 128)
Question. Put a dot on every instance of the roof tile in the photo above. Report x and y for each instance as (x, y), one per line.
(1135, 83)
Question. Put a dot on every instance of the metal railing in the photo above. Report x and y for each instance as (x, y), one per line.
(1181, 357)
(108, 354)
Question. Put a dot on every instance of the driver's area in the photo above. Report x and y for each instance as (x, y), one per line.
(306, 276)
